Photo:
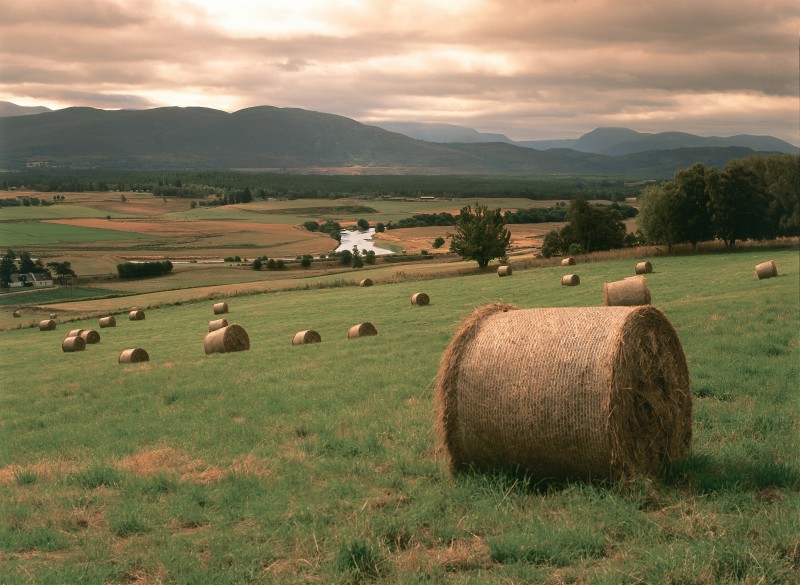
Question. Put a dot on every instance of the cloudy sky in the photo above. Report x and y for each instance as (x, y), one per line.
(531, 69)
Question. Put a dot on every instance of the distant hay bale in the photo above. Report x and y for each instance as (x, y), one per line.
(643, 268)
(220, 308)
(136, 315)
(17, 314)
(610, 400)
(766, 269)
(226, 340)
(365, 329)
(568, 261)
(133, 356)
(109, 321)
(504, 271)
(570, 280)
(53, 316)
(90, 336)
(75, 333)
(630, 292)
(73, 343)
(420, 299)
(47, 325)
(217, 324)
(366, 282)
(307, 336)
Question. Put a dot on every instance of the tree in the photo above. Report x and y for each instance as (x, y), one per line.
(380, 227)
(480, 235)
(369, 256)
(257, 264)
(7, 267)
(123, 199)
(305, 261)
(552, 244)
(739, 203)
(362, 224)
(358, 261)
(592, 228)
(26, 263)
(438, 243)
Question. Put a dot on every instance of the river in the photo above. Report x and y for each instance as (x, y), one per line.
(361, 239)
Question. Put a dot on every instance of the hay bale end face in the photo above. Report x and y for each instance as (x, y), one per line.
(217, 324)
(136, 315)
(366, 282)
(568, 261)
(504, 271)
(630, 292)
(220, 308)
(109, 321)
(227, 339)
(420, 299)
(75, 333)
(643, 268)
(766, 270)
(90, 336)
(365, 329)
(133, 356)
(611, 401)
(17, 314)
(47, 325)
(307, 336)
(73, 343)
(570, 280)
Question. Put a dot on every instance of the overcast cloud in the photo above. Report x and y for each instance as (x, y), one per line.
(531, 69)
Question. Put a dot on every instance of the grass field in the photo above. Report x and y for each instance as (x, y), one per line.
(318, 464)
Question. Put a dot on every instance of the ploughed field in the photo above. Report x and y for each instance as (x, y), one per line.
(319, 463)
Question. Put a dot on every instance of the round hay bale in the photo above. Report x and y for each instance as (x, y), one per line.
(766, 269)
(227, 339)
(136, 315)
(420, 299)
(504, 271)
(109, 321)
(73, 343)
(75, 333)
(47, 325)
(629, 292)
(90, 336)
(366, 282)
(307, 336)
(53, 316)
(217, 324)
(610, 399)
(133, 356)
(17, 314)
(365, 329)
(643, 268)
(568, 261)
(570, 280)
(220, 308)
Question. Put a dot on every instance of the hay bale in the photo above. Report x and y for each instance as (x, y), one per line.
(17, 314)
(109, 321)
(227, 339)
(366, 282)
(608, 400)
(53, 316)
(133, 356)
(504, 271)
(307, 336)
(47, 325)
(90, 336)
(217, 324)
(570, 280)
(75, 333)
(220, 308)
(365, 329)
(766, 269)
(136, 315)
(568, 261)
(420, 299)
(629, 292)
(643, 268)
(73, 343)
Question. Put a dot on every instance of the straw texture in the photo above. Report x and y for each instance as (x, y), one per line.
(504, 271)
(568, 261)
(766, 269)
(47, 325)
(570, 280)
(307, 336)
(420, 299)
(90, 336)
(366, 282)
(217, 324)
(109, 321)
(136, 315)
(226, 340)
(220, 308)
(365, 329)
(630, 292)
(73, 343)
(643, 268)
(586, 393)
(133, 356)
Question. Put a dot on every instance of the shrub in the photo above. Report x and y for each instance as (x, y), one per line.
(271, 264)
(257, 264)
(305, 261)
(438, 243)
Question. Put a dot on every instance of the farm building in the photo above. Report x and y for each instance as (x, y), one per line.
(37, 279)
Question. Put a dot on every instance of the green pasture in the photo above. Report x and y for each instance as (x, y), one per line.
(40, 212)
(319, 463)
(31, 233)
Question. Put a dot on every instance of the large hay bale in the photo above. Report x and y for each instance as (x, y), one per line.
(630, 292)
(74, 332)
(307, 336)
(136, 315)
(109, 321)
(643, 268)
(47, 325)
(90, 336)
(217, 324)
(582, 392)
(420, 299)
(504, 271)
(73, 343)
(365, 329)
(568, 261)
(227, 339)
(133, 356)
(766, 269)
(366, 282)
(220, 308)
(570, 280)
(17, 314)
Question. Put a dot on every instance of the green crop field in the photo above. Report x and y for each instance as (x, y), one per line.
(33, 233)
(320, 464)
(40, 212)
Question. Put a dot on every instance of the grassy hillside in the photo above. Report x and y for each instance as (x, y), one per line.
(319, 464)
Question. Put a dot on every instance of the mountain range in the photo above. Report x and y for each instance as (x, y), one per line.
(296, 140)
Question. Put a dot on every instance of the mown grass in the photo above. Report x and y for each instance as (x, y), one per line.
(319, 464)
(33, 233)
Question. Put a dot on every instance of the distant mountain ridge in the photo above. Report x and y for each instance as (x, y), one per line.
(8, 109)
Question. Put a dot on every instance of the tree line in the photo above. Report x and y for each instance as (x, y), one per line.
(143, 269)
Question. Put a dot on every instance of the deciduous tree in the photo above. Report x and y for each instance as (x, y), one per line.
(480, 235)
